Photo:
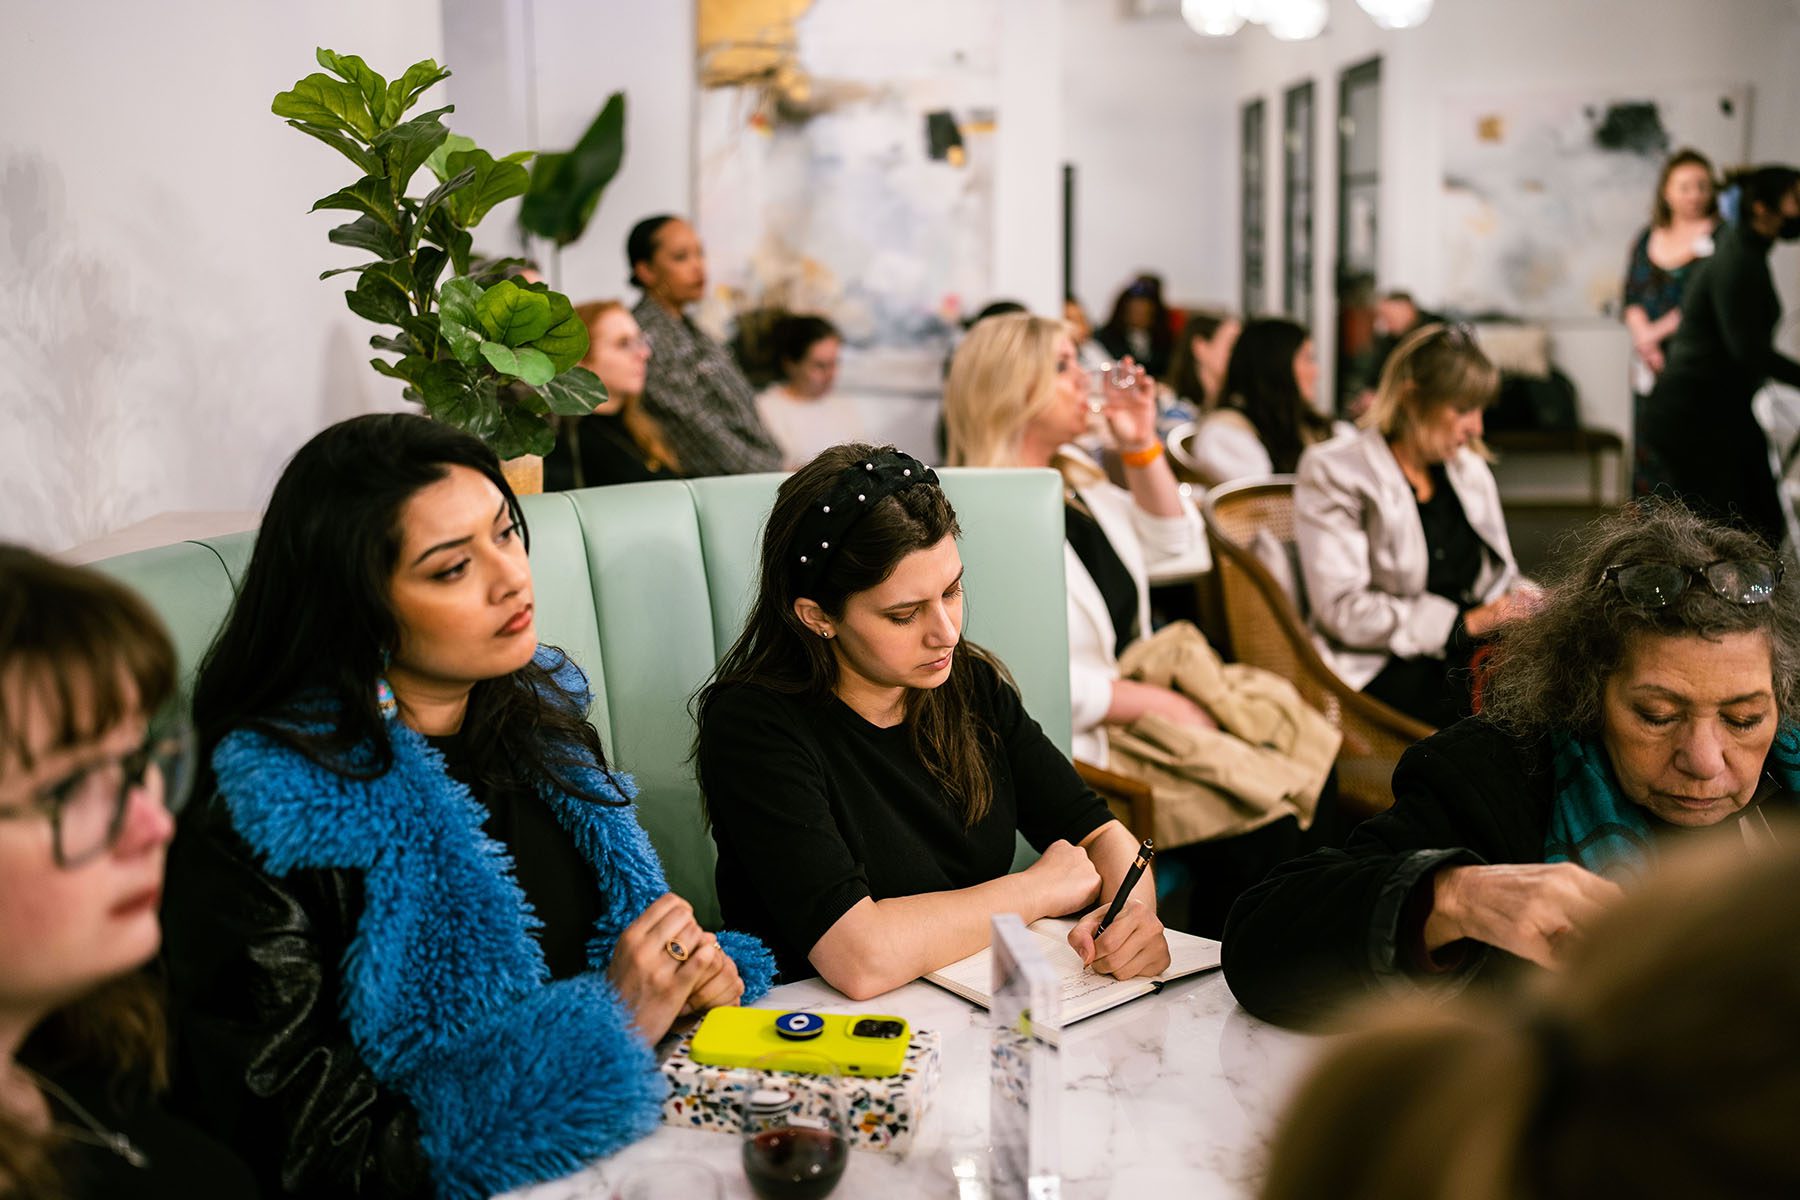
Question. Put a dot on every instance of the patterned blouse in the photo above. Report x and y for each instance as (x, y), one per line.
(1651, 288)
(705, 405)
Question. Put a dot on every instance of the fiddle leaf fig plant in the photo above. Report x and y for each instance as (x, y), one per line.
(496, 357)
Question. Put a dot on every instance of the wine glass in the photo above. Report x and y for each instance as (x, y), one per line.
(795, 1128)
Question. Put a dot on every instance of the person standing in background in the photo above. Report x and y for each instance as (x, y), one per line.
(1679, 235)
(1698, 422)
(694, 390)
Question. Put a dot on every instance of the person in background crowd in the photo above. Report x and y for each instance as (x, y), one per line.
(1698, 422)
(619, 442)
(418, 943)
(87, 783)
(1139, 327)
(1267, 412)
(694, 390)
(1402, 541)
(1648, 703)
(1680, 233)
(1092, 354)
(1664, 1062)
(800, 410)
(866, 771)
(1397, 316)
(1201, 358)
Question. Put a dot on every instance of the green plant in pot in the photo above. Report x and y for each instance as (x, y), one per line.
(494, 356)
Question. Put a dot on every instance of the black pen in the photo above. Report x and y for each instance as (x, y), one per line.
(1145, 853)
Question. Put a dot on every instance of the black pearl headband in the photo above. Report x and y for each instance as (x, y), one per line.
(858, 489)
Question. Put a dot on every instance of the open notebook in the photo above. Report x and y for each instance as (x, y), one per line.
(1084, 993)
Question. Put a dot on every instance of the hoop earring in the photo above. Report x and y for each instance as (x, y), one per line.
(385, 703)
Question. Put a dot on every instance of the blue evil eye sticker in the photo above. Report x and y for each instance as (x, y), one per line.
(799, 1026)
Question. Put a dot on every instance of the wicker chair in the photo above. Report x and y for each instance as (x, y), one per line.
(1266, 631)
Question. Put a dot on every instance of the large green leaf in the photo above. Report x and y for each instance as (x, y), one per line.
(459, 242)
(400, 344)
(424, 330)
(366, 233)
(533, 366)
(369, 162)
(353, 69)
(407, 145)
(457, 395)
(566, 187)
(513, 315)
(436, 195)
(456, 143)
(566, 341)
(376, 298)
(457, 319)
(403, 91)
(520, 431)
(321, 100)
(574, 393)
(411, 368)
(370, 194)
(428, 264)
(346, 270)
(494, 181)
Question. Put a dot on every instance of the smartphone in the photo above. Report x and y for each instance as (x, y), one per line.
(867, 1044)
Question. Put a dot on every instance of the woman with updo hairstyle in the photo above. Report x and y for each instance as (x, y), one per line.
(800, 409)
(1647, 703)
(418, 942)
(619, 442)
(89, 773)
(1663, 1061)
(1267, 411)
(1403, 545)
(866, 770)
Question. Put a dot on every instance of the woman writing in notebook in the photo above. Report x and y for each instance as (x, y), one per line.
(865, 769)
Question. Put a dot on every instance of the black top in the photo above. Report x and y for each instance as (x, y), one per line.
(603, 449)
(1726, 339)
(559, 885)
(1453, 549)
(1116, 585)
(813, 808)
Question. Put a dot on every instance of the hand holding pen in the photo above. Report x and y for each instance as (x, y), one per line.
(1126, 940)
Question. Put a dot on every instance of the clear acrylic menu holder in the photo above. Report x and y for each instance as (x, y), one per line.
(1025, 1078)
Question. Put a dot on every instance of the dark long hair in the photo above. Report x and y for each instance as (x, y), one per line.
(93, 652)
(1184, 368)
(1144, 287)
(300, 654)
(1765, 185)
(1260, 383)
(777, 652)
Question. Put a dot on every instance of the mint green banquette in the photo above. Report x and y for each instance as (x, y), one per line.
(646, 585)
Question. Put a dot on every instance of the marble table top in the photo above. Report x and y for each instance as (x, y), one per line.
(1174, 1094)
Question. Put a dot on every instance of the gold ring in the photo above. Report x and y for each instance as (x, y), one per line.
(677, 951)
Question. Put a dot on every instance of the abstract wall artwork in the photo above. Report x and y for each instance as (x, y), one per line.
(1544, 193)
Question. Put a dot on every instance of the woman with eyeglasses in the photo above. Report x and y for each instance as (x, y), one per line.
(1649, 702)
(1402, 543)
(418, 943)
(619, 442)
(87, 782)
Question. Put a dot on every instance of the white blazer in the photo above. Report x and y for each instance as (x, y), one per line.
(1142, 542)
(1362, 552)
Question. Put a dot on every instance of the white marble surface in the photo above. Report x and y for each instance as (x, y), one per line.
(1171, 1095)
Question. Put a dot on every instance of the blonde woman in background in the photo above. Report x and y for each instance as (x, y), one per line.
(619, 442)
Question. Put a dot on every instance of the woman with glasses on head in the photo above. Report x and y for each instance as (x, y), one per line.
(418, 942)
(619, 442)
(87, 783)
(1649, 701)
(1402, 543)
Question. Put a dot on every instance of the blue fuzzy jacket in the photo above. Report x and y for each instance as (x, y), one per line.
(355, 978)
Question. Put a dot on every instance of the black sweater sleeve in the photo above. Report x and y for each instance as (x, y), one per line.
(1748, 310)
(1336, 923)
(1054, 802)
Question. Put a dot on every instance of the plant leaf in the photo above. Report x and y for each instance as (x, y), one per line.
(346, 270)
(533, 366)
(566, 341)
(521, 431)
(406, 146)
(353, 69)
(560, 205)
(519, 156)
(456, 143)
(321, 100)
(366, 233)
(370, 194)
(403, 344)
(458, 242)
(424, 330)
(513, 315)
(427, 265)
(403, 91)
(494, 181)
(376, 298)
(411, 368)
(457, 395)
(370, 163)
(574, 393)
(458, 301)
(436, 196)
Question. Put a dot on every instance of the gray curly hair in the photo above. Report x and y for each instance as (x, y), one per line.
(1549, 671)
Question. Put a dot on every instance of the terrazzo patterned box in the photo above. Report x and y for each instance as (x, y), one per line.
(884, 1113)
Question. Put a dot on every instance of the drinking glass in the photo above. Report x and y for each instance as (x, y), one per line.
(795, 1129)
(1117, 375)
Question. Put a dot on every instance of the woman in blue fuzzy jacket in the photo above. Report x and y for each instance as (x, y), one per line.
(418, 943)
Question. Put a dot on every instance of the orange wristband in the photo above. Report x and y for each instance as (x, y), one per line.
(1144, 457)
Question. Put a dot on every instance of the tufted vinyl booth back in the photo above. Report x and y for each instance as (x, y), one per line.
(646, 586)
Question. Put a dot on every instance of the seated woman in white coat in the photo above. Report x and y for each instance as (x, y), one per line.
(1267, 412)
(1402, 541)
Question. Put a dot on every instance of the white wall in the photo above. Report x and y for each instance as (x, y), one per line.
(1148, 110)
(1471, 46)
(166, 340)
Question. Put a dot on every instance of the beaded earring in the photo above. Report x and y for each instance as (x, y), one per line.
(384, 695)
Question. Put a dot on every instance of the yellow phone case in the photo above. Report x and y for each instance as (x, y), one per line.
(742, 1037)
